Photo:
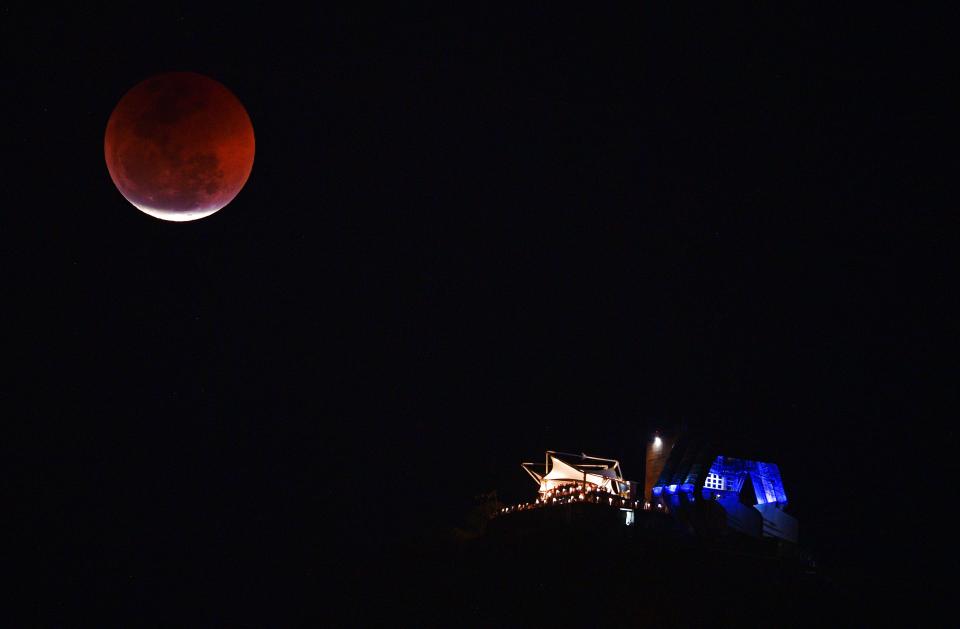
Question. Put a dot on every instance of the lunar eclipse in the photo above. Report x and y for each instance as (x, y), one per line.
(179, 146)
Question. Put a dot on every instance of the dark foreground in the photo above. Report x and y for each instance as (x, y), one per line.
(555, 577)
(571, 578)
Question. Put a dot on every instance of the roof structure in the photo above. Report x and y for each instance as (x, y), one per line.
(561, 469)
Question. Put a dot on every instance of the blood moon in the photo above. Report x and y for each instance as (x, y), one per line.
(179, 146)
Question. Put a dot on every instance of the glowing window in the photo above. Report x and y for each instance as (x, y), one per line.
(714, 481)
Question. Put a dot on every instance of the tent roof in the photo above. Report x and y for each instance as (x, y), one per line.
(561, 470)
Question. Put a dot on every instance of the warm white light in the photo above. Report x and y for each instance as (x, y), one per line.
(657, 442)
(177, 217)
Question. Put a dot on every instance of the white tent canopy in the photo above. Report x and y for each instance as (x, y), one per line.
(562, 473)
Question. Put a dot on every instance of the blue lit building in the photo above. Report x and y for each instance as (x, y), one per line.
(686, 473)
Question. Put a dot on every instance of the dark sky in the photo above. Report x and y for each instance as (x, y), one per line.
(467, 238)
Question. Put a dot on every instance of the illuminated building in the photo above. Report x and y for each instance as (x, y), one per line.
(581, 480)
(690, 488)
(691, 472)
(591, 473)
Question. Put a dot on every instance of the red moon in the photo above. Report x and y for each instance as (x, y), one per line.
(179, 146)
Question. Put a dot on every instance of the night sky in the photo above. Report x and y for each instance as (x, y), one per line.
(467, 238)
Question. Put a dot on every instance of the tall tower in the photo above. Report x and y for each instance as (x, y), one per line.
(658, 450)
